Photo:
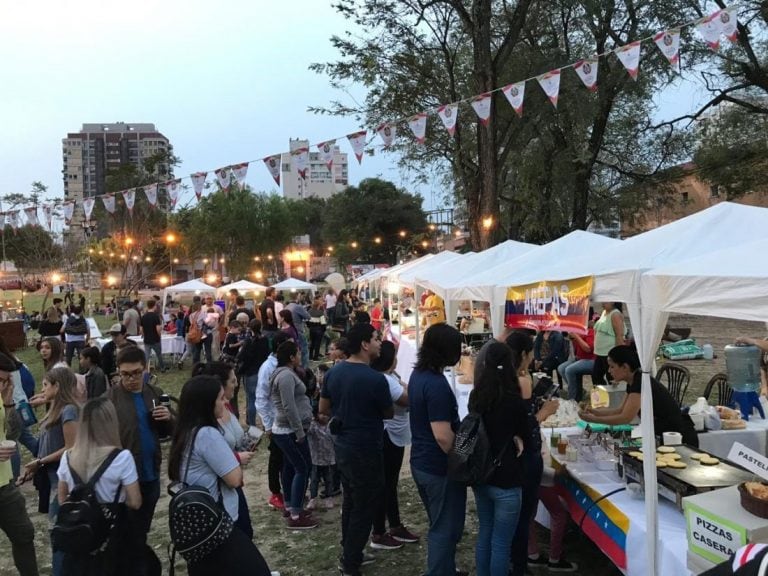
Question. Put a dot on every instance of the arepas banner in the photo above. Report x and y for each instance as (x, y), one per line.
(561, 305)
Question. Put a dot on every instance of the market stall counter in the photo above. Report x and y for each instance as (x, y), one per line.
(170, 344)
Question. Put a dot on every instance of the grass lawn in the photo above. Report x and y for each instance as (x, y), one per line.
(293, 553)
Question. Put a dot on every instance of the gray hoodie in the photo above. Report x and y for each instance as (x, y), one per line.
(289, 396)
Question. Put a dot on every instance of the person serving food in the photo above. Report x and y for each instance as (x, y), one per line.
(624, 364)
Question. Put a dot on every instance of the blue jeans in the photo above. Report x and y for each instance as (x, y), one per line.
(445, 502)
(199, 347)
(304, 348)
(250, 398)
(572, 371)
(157, 348)
(57, 557)
(296, 456)
(498, 511)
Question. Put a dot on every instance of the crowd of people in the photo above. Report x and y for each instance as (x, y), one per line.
(338, 429)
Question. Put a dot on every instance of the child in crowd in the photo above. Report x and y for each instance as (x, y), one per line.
(321, 448)
(233, 340)
(558, 520)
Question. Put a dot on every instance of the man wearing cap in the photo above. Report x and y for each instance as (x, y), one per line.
(110, 350)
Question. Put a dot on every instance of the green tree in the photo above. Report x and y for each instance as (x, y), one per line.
(549, 171)
(373, 210)
(32, 250)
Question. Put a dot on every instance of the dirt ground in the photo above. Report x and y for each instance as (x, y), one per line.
(315, 552)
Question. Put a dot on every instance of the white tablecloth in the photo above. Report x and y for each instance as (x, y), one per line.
(169, 343)
(673, 543)
(754, 436)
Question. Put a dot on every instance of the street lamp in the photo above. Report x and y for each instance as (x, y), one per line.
(88, 228)
(170, 239)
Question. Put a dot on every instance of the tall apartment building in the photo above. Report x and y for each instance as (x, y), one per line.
(321, 182)
(89, 154)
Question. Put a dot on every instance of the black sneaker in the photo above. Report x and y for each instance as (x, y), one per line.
(562, 565)
(538, 562)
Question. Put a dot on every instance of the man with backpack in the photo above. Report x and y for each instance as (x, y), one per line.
(76, 333)
(14, 520)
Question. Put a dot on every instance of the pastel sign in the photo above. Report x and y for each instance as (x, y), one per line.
(562, 305)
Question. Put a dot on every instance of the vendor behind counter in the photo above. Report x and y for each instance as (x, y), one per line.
(624, 364)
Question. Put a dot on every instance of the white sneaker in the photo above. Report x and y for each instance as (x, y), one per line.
(312, 504)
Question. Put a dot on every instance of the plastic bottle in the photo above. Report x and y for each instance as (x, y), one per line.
(709, 352)
(742, 363)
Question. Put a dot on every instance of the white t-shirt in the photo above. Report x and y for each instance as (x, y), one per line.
(330, 301)
(398, 427)
(122, 472)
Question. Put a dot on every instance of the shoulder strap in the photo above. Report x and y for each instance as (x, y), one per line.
(189, 456)
(106, 463)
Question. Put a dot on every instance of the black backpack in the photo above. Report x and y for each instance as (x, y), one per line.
(198, 523)
(83, 524)
(471, 460)
(76, 326)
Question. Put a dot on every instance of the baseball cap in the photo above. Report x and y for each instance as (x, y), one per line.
(117, 328)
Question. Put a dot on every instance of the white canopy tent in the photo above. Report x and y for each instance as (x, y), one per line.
(390, 275)
(196, 287)
(241, 286)
(426, 269)
(618, 273)
(294, 284)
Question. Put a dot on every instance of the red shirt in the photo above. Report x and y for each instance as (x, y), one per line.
(590, 340)
(376, 316)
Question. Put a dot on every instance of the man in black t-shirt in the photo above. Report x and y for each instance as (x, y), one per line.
(152, 330)
(358, 398)
(240, 308)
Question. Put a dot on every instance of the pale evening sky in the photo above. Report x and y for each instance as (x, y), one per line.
(225, 82)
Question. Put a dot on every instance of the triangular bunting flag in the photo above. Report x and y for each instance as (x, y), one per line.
(69, 211)
(550, 83)
(273, 165)
(482, 106)
(587, 71)
(109, 202)
(418, 125)
(449, 113)
(224, 177)
(327, 151)
(240, 171)
(387, 133)
(629, 55)
(31, 214)
(150, 191)
(515, 94)
(669, 44)
(173, 188)
(300, 159)
(48, 215)
(729, 23)
(130, 198)
(710, 29)
(88, 204)
(357, 141)
(198, 183)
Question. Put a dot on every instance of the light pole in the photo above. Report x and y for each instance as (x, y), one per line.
(170, 239)
(88, 228)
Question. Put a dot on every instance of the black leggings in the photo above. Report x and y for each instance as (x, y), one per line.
(388, 507)
(238, 556)
(274, 468)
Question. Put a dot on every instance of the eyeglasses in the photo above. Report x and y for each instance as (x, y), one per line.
(135, 375)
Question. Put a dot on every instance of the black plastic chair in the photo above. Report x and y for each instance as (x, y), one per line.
(724, 391)
(677, 379)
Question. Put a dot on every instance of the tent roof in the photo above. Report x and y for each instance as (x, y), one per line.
(370, 275)
(424, 269)
(244, 285)
(451, 274)
(294, 284)
(190, 286)
(391, 273)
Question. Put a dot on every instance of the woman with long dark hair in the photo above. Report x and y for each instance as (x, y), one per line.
(287, 325)
(521, 345)
(233, 431)
(434, 419)
(51, 352)
(496, 397)
(201, 456)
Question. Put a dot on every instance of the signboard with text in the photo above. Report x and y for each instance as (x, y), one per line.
(562, 305)
(712, 537)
